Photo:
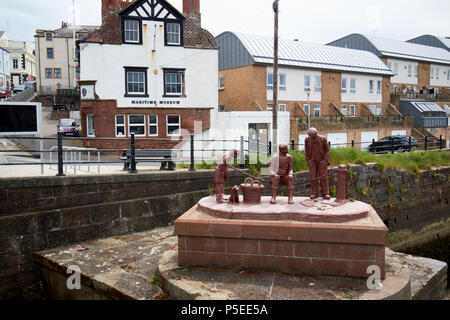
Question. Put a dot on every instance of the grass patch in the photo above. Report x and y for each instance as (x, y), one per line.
(412, 162)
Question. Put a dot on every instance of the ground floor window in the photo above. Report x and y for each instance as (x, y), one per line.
(282, 106)
(344, 109)
(90, 125)
(173, 124)
(306, 108)
(136, 124)
(375, 109)
(352, 110)
(152, 125)
(120, 125)
(317, 110)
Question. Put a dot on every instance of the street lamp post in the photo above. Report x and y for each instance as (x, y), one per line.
(308, 92)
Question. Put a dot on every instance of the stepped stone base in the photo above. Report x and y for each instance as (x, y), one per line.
(301, 247)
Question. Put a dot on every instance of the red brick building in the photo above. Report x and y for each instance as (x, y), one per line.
(150, 70)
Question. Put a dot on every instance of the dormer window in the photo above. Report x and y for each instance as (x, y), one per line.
(173, 34)
(132, 31)
(49, 36)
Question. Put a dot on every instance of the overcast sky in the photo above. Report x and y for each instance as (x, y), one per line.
(318, 21)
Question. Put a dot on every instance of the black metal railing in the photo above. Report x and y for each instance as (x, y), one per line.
(255, 150)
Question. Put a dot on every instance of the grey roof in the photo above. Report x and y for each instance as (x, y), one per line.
(237, 49)
(67, 32)
(433, 41)
(394, 48)
(426, 106)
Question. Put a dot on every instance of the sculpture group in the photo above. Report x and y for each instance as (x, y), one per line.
(281, 169)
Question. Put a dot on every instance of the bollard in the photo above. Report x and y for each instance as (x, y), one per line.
(409, 144)
(440, 142)
(269, 148)
(60, 156)
(373, 145)
(426, 143)
(353, 143)
(292, 145)
(192, 168)
(133, 154)
(392, 146)
(341, 192)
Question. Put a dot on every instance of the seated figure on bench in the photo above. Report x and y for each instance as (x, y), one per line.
(282, 171)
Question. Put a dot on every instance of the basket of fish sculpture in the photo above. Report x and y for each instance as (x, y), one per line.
(252, 191)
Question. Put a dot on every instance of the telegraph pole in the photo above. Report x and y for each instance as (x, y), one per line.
(275, 83)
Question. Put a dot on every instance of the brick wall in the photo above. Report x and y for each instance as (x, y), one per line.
(111, 21)
(243, 86)
(104, 112)
(48, 212)
(331, 89)
(423, 75)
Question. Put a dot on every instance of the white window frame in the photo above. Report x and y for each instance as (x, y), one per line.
(344, 107)
(370, 86)
(395, 69)
(172, 125)
(221, 82)
(317, 84)
(15, 63)
(270, 107)
(126, 24)
(409, 71)
(179, 76)
(416, 69)
(352, 110)
(448, 74)
(309, 82)
(431, 73)
(152, 125)
(379, 84)
(317, 108)
(307, 106)
(136, 125)
(269, 84)
(120, 125)
(376, 110)
(282, 87)
(353, 88)
(90, 116)
(344, 85)
(437, 73)
(171, 32)
(136, 82)
(284, 107)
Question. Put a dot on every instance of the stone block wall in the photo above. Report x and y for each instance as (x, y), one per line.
(47, 212)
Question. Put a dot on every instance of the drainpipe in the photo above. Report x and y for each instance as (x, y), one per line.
(40, 66)
(68, 60)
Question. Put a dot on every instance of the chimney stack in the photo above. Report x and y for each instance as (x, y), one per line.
(111, 22)
(191, 6)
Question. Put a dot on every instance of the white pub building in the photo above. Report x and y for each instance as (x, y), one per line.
(150, 70)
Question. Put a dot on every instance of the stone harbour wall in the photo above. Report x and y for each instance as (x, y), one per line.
(46, 212)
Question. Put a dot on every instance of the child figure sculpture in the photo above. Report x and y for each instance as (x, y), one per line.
(281, 169)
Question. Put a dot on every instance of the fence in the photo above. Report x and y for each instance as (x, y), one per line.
(70, 157)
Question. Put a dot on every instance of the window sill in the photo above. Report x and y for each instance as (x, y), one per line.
(174, 96)
(136, 96)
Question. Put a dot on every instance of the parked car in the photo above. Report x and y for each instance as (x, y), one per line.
(400, 143)
(19, 88)
(5, 92)
(69, 127)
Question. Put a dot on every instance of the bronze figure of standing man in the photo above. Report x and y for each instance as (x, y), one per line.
(317, 154)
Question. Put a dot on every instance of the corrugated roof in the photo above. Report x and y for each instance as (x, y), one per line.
(309, 55)
(445, 41)
(408, 50)
(426, 106)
